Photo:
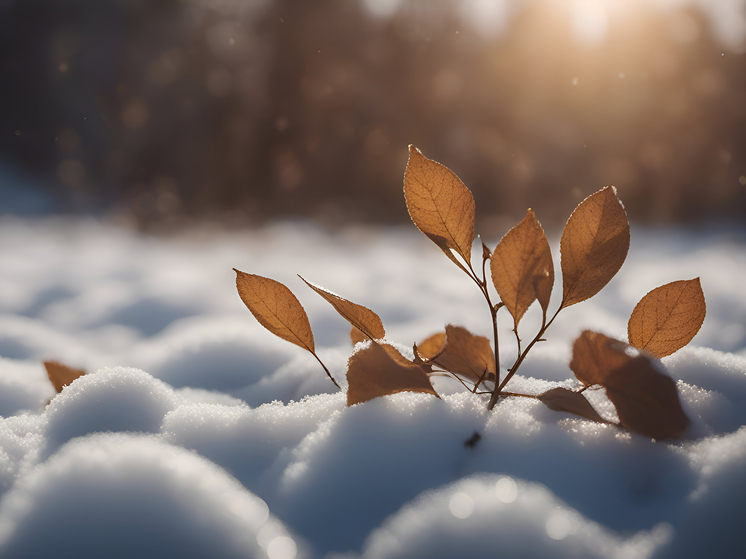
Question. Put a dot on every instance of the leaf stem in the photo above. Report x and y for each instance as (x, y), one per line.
(327, 370)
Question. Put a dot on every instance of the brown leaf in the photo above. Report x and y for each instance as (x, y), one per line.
(432, 346)
(646, 400)
(440, 205)
(362, 318)
(594, 356)
(61, 375)
(522, 268)
(373, 371)
(466, 355)
(594, 245)
(562, 399)
(276, 308)
(667, 318)
(356, 336)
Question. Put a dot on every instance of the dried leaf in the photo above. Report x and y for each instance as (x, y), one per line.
(562, 399)
(667, 318)
(432, 346)
(276, 308)
(362, 318)
(356, 336)
(522, 268)
(646, 400)
(594, 356)
(466, 354)
(373, 371)
(594, 245)
(61, 375)
(440, 205)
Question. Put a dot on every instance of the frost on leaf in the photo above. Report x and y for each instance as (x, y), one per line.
(646, 400)
(522, 268)
(564, 400)
(276, 308)
(594, 246)
(378, 370)
(61, 375)
(440, 205)
(356, 336)
(461, 353)
(363, 319)
(667, 318)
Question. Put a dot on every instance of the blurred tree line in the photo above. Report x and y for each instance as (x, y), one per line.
(245, 110)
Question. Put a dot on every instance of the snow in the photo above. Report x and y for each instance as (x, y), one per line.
(198, 433)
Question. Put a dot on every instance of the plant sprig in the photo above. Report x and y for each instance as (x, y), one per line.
(593, 247)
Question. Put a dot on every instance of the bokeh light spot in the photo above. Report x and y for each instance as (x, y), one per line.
(559, 526)
(506, 489)
(282, 547)
(461, 505)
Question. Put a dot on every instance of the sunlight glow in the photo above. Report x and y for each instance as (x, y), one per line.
(488, 17)
(382, 8)
(590, 20)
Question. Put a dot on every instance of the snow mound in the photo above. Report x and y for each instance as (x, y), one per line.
(484, 516)
(117, 399)
(121, 495)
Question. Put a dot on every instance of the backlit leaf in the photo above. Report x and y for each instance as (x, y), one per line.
(276, 308)
(646, 399)
(466, 355)
(667, 318)
(372, 372)
(562, 399)
(594, 246)
(61, 375)
(362, 318)
(440, 205)
(432, 346)
(522, 268)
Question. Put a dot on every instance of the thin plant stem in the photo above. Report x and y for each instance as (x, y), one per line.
(327, 370)
(493, 312)
(544, 326)
(517, 340)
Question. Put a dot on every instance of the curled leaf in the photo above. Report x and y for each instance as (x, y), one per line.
(432, 346)
(564, 400)
(645, 399)
(61, 375)
(522, 268)
(460, 352)
(356, 336)
(667, 318)
(594, 356)
(594, 246)
(373, 371)
(276, 308)
(440, 205)
(362, 318)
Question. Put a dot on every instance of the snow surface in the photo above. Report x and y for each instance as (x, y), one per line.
(197, 433)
